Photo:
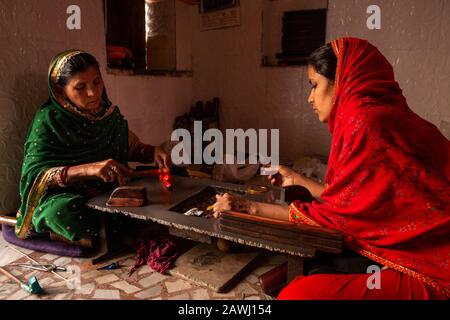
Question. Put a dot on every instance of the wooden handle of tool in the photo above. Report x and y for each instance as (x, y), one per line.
(9, 275)
(274, 280)
(9, 221)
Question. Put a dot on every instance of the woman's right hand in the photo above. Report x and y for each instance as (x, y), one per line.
(284, 178)
(108, 170)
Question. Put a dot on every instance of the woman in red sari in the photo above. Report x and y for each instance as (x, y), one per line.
(387, 185)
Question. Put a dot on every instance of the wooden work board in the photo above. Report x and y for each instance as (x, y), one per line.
(205, 265)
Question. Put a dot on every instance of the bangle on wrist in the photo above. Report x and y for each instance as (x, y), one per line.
(64, 175)
(60, 176)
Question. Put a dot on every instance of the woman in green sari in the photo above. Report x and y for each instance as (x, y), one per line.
(77, 146)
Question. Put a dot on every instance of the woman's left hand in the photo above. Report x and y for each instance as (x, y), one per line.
(162, 159)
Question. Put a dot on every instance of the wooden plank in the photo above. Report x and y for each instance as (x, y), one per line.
(282, 231)
(294, 240)
(295, 234)
(284, 225)
(299, 240)
(261, 236)
(205, 265)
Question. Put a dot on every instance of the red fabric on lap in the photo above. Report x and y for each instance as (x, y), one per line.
(394, 286)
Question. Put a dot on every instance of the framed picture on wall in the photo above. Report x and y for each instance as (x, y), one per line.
(218, 14)
(207, 6)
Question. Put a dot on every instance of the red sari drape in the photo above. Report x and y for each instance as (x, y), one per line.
(388, 173)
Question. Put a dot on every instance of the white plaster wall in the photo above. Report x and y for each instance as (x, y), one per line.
(31, 33)
(226, 63)
(185, 22)
(415, 38)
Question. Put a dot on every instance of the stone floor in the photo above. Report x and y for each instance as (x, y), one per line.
(116, 284)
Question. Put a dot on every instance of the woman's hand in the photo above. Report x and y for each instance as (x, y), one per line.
(228, 202)
(285, 177)
(162, 159)
(108, 170)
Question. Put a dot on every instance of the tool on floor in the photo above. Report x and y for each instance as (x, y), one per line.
(31, 286)
(40, 267)
(34, 261)
(112, 266)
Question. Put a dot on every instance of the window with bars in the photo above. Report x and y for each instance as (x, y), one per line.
(303, 32)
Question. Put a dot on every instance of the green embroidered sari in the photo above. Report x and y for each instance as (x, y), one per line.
(62, 135)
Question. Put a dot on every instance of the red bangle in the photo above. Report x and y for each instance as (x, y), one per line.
(59, 175)
(64, 175)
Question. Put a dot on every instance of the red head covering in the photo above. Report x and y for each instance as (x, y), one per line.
(388, 173)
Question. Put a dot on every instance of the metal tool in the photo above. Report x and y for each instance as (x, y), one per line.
(31, 286)
(34, 261)
(40, 267)
(112, 266)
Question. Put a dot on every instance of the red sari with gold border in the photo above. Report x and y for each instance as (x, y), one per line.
(388, 173)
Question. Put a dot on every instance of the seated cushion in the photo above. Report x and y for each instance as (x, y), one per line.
(42, 243)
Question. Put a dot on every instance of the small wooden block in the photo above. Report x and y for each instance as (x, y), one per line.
(128, 197)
